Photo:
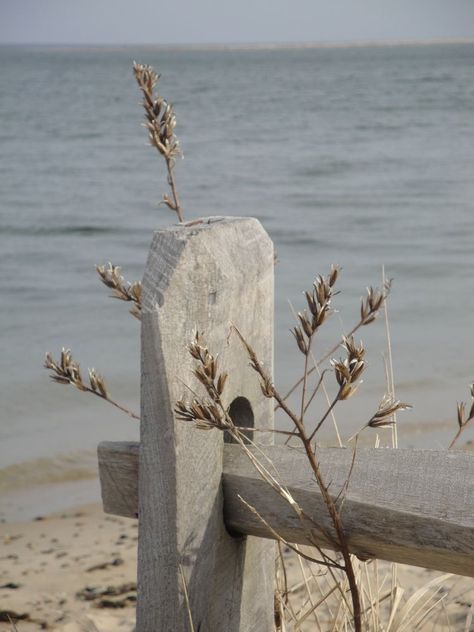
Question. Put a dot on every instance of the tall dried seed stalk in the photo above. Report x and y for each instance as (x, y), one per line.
(160, 123)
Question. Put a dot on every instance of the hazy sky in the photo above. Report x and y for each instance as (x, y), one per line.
(221, 21)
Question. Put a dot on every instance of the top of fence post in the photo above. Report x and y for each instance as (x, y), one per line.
(202, 276)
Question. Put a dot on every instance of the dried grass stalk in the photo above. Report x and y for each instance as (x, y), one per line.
(160, 123)
(122, 289)
(68, 371)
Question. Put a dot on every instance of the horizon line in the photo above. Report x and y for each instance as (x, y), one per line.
(246, 46)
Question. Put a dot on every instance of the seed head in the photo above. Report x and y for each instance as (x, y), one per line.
(384, 416)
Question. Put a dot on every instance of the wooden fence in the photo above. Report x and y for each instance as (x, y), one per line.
(200, 549)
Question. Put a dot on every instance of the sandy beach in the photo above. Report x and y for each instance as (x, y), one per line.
(69, 571)
(76, 572)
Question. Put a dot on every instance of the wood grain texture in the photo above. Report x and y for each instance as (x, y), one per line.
(118, 472)
(410, 506)
(202, 277)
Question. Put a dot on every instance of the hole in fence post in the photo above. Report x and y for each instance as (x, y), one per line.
(241, 413)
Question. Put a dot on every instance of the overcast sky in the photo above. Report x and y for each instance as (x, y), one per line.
(231, 21)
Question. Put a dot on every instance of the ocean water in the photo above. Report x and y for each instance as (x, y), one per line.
(361, 157)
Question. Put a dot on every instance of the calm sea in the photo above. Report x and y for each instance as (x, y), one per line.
(362, 157)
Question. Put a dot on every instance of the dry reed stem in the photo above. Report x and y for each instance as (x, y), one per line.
(314, 605)
(186, 599)
(281, 562)
(390, 386)
(281, 540)
(68, 371)
(160, 123)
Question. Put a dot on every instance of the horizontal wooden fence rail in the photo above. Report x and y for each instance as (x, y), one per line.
(408, 506)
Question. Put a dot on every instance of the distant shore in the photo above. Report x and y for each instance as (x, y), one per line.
(245, 46)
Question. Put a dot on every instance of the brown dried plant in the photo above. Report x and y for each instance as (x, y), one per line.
(160, 123)
(68, 371)
(463, 421)
(210, 412)
(369, 310)
(213, 414)
(122, 289)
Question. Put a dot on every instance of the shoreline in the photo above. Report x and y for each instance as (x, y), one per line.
(43, 486)
(38, 501)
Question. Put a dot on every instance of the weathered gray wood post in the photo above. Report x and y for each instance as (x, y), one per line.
(202, 276)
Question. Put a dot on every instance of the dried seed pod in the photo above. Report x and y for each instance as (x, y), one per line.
(305, 324)
(92, 380)
(312, 305)
(341, 371)
(347, 391)
(371, 305)
(334, 273)
(461, 414)
(387, 408)
(221, 381)
(356, 370)
(300, 341)
(202, 377)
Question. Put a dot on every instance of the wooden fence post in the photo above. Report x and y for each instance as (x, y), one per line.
(202, 276)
